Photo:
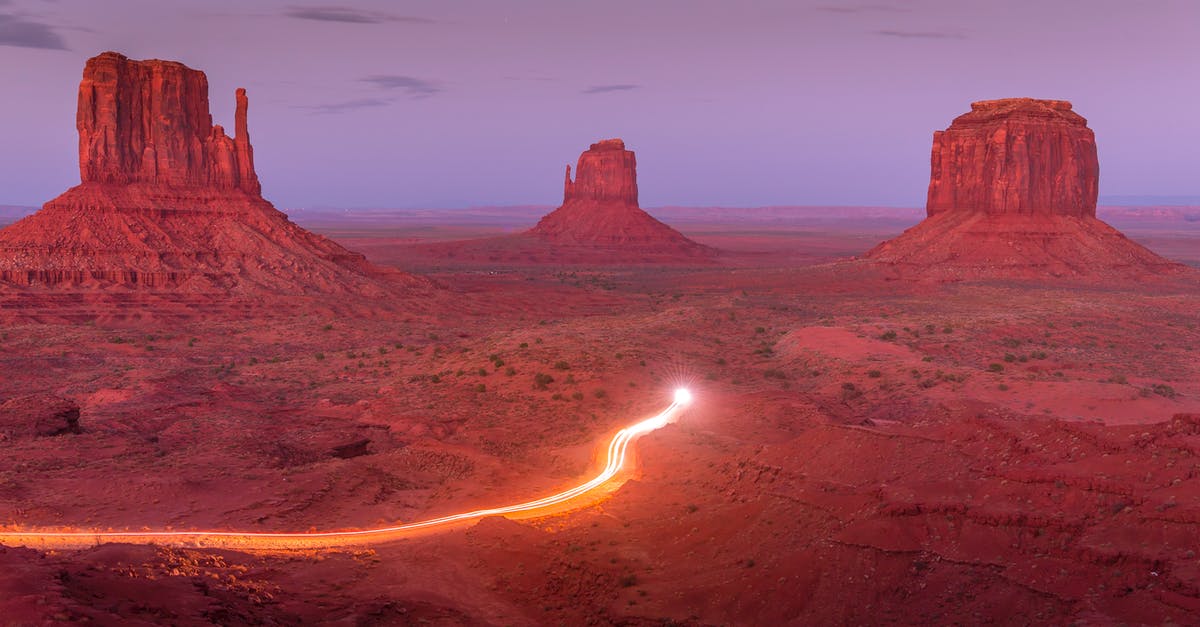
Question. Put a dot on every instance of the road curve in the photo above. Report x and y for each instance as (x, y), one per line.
(250, 540)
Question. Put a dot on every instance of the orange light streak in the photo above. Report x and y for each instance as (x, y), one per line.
(553, 504)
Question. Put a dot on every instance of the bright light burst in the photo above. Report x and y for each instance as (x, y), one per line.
(683, 396)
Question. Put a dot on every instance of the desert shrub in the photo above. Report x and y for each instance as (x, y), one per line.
(994, 367)
(328, 327)
(850, 391)
(320, 356)
(888, 336)
(1163, 389)
(541, 380)
(760, 330)
(1038, 355)
(1009, 357)
(524, 345)
(774, 373)
(479, 387)
(1003, 387)
(557, 396)
(510, 371)
(600, 393)
(482, 372)
(1011, 342)
(720, 361)
(628, 581)
(874, 374)
(947, 329)
(562, 365)
(577, 395)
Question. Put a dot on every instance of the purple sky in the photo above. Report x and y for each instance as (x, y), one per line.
(445, 103)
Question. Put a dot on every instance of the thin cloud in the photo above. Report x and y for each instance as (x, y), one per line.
(864, 8)
(20, 32)
(538, 79)
(605, 89)
(910, 34)
(346, 15)
(349, 105)
(414, 87)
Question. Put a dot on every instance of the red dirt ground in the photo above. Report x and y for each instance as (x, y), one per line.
(861, 450)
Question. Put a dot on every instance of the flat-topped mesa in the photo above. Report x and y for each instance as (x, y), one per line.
(148, 122)
(1012, 194)
(606, 173)
(1015, 156)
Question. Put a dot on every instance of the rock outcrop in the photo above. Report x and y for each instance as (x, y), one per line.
(148, 122)
(38, 415)
(1015, 156)
(600, 210)
(168, 202)
(1012, 193)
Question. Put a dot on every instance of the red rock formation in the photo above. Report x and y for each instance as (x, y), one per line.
(148, 122)
(1012, 193)
(600, 210)
(1015, 156)
(607, 173)
(167, 200)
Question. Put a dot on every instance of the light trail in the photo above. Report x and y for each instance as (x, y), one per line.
(553, 504)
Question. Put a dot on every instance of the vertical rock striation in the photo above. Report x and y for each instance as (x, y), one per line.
(1015, 156)
(148, 122)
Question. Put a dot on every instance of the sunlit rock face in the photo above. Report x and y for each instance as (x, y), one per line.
(1015, 156)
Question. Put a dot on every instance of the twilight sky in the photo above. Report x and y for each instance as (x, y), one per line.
(456, 103)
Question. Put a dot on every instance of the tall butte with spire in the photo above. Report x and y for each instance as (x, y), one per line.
(168, 202)
(1012, 193)
(600, 210)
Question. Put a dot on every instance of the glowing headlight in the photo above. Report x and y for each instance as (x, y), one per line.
(683, 396)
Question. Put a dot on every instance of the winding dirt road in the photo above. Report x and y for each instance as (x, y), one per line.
(580, 495)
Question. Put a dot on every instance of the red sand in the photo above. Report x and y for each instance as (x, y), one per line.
(853, 457)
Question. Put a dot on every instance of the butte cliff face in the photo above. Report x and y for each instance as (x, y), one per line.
(600, 210)
(148, 122)
(1015, 156)
(167, 201)
(1012, 193)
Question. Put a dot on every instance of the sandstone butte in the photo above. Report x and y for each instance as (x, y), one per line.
(600, 210)
(1012, 193)
(168, 201)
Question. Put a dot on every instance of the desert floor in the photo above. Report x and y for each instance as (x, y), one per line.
(860, 451)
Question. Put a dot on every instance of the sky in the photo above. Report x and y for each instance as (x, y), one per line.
(461, 103)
